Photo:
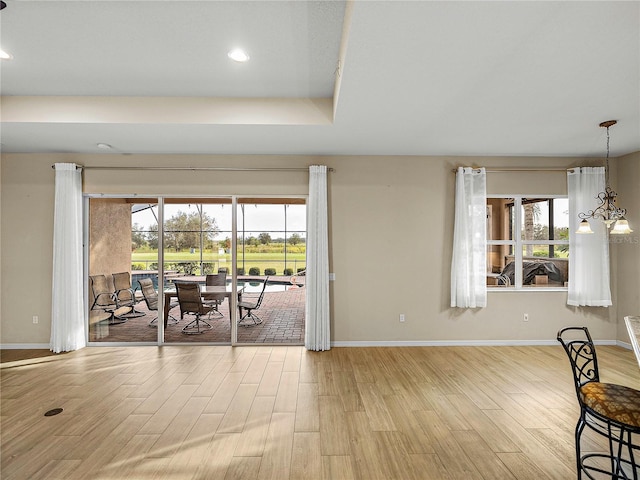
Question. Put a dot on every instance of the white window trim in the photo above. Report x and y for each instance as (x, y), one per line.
(517, 244)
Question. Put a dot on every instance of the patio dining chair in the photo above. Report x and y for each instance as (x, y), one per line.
(190, 301)
(610, 410)
(251, 303)
(215, 300)
(104, 298)
(124, 294)
(150, 296)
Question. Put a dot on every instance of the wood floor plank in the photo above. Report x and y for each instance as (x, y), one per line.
(545, 459)
(522, 467)
(276, 458)
(306, 461)
(375, 407)
(451, 454)
(196, 448)
(271, 379)
(255, 371)
(479, 422)
(210, 384)
(170, 440)
(164, 415)
(236, 415)
(334, 434)
(254, 435)
(482, 455)
(242, 468)
(287, 396)
(413, 436)
(307, 410)
(337, 466)
(292, 360)
(221, 400)
(218, 458)
(429, 467)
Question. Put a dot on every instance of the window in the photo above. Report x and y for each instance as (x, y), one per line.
(527, 242)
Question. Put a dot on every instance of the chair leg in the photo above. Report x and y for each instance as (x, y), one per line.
(172, 321)
(251, 316)
(579, 428)
(193, 327)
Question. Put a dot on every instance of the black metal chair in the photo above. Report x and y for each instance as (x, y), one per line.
(611, 410)
(250, 304)
(190, 302)
(150, 296)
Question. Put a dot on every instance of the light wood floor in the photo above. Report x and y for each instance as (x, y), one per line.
(217, 412)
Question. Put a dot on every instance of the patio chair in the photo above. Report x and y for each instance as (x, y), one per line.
(251, 304)
(610, 410)
(104, 298)
(215, 300)
(124, 294)
(190, 302)
(150, 296)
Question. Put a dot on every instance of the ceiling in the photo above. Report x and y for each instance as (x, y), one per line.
(324, 77)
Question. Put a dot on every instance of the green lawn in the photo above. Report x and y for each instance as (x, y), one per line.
(260, 260)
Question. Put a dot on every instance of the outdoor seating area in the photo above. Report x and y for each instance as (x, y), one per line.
(282, 314)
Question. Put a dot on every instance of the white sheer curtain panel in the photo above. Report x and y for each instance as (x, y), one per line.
(469, 261)
(317, 334)
(67, 308)
(589, 253)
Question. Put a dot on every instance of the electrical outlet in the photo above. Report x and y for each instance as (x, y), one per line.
(35, 319)
(526, 317)
(402, 317)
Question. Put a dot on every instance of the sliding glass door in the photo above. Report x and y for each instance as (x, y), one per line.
(197, 237)
(139, 249)
(271, 263)
(122, 252)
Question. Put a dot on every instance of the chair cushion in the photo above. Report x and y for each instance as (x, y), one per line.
(617, 402)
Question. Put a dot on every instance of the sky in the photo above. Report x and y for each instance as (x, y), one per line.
(257, 218)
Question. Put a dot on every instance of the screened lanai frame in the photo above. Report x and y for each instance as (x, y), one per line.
(232, 200)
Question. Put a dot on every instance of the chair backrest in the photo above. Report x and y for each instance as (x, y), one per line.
(101, 291)
(217, 280)
(122, 285)
(264, 287)
(149, 293)
(189, 297)
(582, 355)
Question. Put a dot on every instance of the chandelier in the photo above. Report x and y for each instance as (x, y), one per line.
(607, 210)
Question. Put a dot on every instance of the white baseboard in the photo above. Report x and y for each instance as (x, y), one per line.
(385, 343)
(24, 346)
(459, 343)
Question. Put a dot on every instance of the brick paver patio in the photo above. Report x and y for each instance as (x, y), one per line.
(282, 315)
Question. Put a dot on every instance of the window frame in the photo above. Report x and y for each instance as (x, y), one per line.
(518, 244)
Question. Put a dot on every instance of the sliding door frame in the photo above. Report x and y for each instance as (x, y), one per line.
(233, 299)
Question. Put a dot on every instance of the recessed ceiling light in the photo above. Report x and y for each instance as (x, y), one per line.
(5, 56)
(104, 146)
(238, 55)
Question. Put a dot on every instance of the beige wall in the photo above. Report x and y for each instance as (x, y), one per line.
(628, 247)
(391, 229)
